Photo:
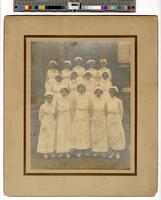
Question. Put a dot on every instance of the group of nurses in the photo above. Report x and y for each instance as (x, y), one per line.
(81, 113)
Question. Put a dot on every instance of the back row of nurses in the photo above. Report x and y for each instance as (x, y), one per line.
(78, 68)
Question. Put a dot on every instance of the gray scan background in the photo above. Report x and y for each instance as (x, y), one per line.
(42, 53)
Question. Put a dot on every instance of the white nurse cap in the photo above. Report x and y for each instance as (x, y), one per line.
(91, 61)
(52, 62)
(98, 88)
(114, 87)
(103, 60)
(68, 62)
(77, 58)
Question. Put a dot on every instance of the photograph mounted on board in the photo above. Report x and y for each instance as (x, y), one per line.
(80, 111)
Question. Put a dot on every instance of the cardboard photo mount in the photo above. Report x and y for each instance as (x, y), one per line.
(141, 183)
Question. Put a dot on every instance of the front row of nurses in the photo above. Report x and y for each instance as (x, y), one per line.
(81, 124)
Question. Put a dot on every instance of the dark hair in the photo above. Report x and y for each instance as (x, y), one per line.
(88, 73)
(113, 89)
(48, 95)
(52, 65)
(64, 88)
(58, 75)
(98, 89)
(74, 73)
(81, 84)
(105, 73)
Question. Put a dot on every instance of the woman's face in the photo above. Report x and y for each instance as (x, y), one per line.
(74, 76)
(58, 78)
(67, 66)
(91, 65)
(78, 62)
(49, 98)
(103, 64)
(112, 92)
(53, 66)
(81, 89)
(88, 76)
(98, 92)
(105, 76)
(64, 92)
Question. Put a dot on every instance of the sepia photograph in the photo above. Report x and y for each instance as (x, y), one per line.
(79, 117)
(81, 97)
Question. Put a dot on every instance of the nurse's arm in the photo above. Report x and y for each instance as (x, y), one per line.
(121, 109)
(41, 114)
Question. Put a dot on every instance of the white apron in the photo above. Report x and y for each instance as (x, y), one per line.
(81, 138)
(56, 87)
(51, 73)
(90, 84)
(48, 85)
(53, 86)
(73, 85)
(105, 85)
(66, 82)
(64, 125)
(93, 72)
(116, 135)
(79, 80)
(46, 141)
(98, 125)
(73, 91)
(79, 70)
(66, 74)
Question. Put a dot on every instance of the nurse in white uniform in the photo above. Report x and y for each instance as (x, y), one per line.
(66, 72)
(64, 123)
(78, 67)
(105, 83)
(47, 135)
(90, 81)
(116, 134)
(73, 86)
(73, 82)
(57, 84)
(91, 68)
(98, 124)
(81, 136)
(52, 71)
(104, 68)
